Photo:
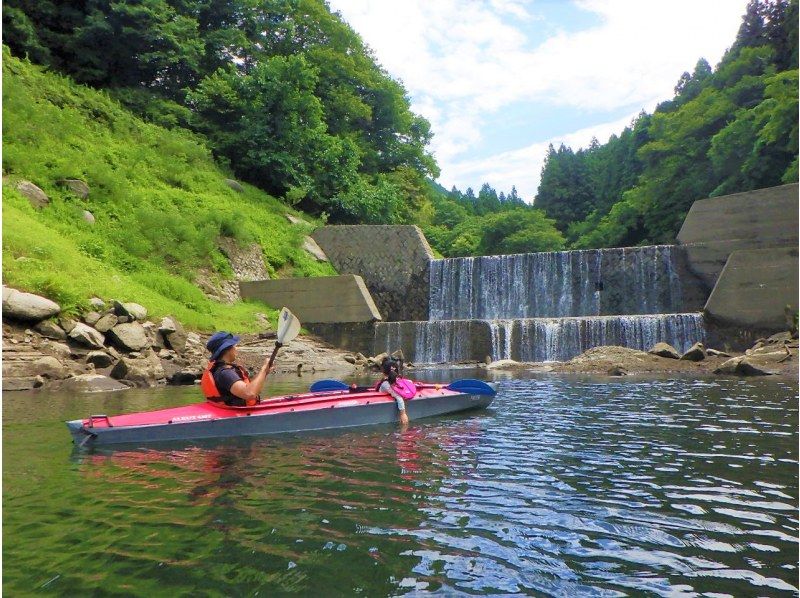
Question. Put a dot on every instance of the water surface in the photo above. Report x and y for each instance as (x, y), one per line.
(567, 486)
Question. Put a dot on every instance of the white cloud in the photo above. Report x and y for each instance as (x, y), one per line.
(462, 61)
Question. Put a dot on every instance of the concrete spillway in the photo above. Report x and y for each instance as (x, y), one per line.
(533, 339)
(548, 306)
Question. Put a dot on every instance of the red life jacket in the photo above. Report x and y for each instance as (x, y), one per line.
(209, 386)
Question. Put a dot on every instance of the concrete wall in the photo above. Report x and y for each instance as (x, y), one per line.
(351, 336)
(323, 299)
(754, 289)
(394, 262)
(718, 226)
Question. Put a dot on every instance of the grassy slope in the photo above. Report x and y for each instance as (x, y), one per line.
(158, 197)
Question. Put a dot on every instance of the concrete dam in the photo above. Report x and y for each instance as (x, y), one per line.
(730, 277)
(548, 306)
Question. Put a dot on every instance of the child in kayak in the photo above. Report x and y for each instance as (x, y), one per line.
(389, 384)
(226, 381)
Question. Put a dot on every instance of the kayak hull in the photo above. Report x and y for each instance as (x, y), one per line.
(338, 410)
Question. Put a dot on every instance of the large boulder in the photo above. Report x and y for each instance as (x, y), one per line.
(48, 367)
(91, 383)
(128, 337)
(50, 329)
(235, 185)
(87, 336)
(132, 310)
(88, 217)
(33, 194)
(697, 352)
(665, 350)
(143, 372)
(77, 187)
(97, 303)
(27, 306)
(764, 364)
(174, 334)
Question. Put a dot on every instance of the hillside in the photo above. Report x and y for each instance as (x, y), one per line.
(159, 200)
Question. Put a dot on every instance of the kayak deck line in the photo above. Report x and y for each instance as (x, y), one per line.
(289, 413)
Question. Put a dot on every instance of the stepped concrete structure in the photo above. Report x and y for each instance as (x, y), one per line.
(394, 262)
(323, 299)
(744, 249)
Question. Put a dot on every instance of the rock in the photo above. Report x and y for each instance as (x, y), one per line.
(132, 310)
(617, 371)
(378, 359)
(77, 187)
(781, 337)
(124, 319)
(716, 353)
(100, 359)
(235, 185)
(295, 220)
(769, 350)
(27, 306)
(88, 217)
(128, 336)
(91, 383)
(87, 336)
(68, 324)
(310, 246)
(34, 194)
(350, 359)
(175, 336)
(58, 350)
(167, 354)
(263, 322)
(48, 367)
(141, 372)
(746, 365)
(106, 323)
(91, 318)
(665, 350)
(19, 383)
(752, 365)
(185, 376)
(697, 352)
(504, 364)
(51, 329)
(97, 303)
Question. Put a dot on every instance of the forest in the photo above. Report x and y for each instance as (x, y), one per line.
(288, 98)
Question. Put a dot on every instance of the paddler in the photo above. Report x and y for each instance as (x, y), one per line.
(224, 380)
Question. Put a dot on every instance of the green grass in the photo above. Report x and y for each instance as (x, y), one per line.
(159, 200)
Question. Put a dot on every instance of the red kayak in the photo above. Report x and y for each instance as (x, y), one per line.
(330, 404)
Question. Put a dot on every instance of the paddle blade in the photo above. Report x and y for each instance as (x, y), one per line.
(472, 387)
(288, 326)
(328, 385)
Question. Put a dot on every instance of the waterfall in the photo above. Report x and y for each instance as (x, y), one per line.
(534, 339)
(637, 280)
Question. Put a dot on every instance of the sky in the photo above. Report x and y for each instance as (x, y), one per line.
(500, 80)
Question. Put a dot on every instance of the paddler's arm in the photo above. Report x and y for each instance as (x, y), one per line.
(401, 404)
(251, 391)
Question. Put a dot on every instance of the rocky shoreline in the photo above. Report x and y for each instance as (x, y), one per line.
(115, 346)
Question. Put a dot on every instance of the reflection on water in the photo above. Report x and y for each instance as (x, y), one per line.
(566, 486)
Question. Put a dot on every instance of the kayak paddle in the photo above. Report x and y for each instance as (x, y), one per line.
(467, 386)
(288, 329)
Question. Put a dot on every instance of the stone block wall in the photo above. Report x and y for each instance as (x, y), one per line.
(393, 260)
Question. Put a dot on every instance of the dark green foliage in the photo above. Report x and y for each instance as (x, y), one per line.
(727, 130)
(285, 91)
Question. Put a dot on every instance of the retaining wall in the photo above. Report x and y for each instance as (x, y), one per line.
(393, 260)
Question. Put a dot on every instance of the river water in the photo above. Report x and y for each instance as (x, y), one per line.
(566, 486)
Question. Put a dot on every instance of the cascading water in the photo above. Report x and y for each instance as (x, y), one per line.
(548, 306)
(639, 280)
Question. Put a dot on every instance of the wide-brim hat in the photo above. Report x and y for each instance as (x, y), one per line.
(220, 341)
